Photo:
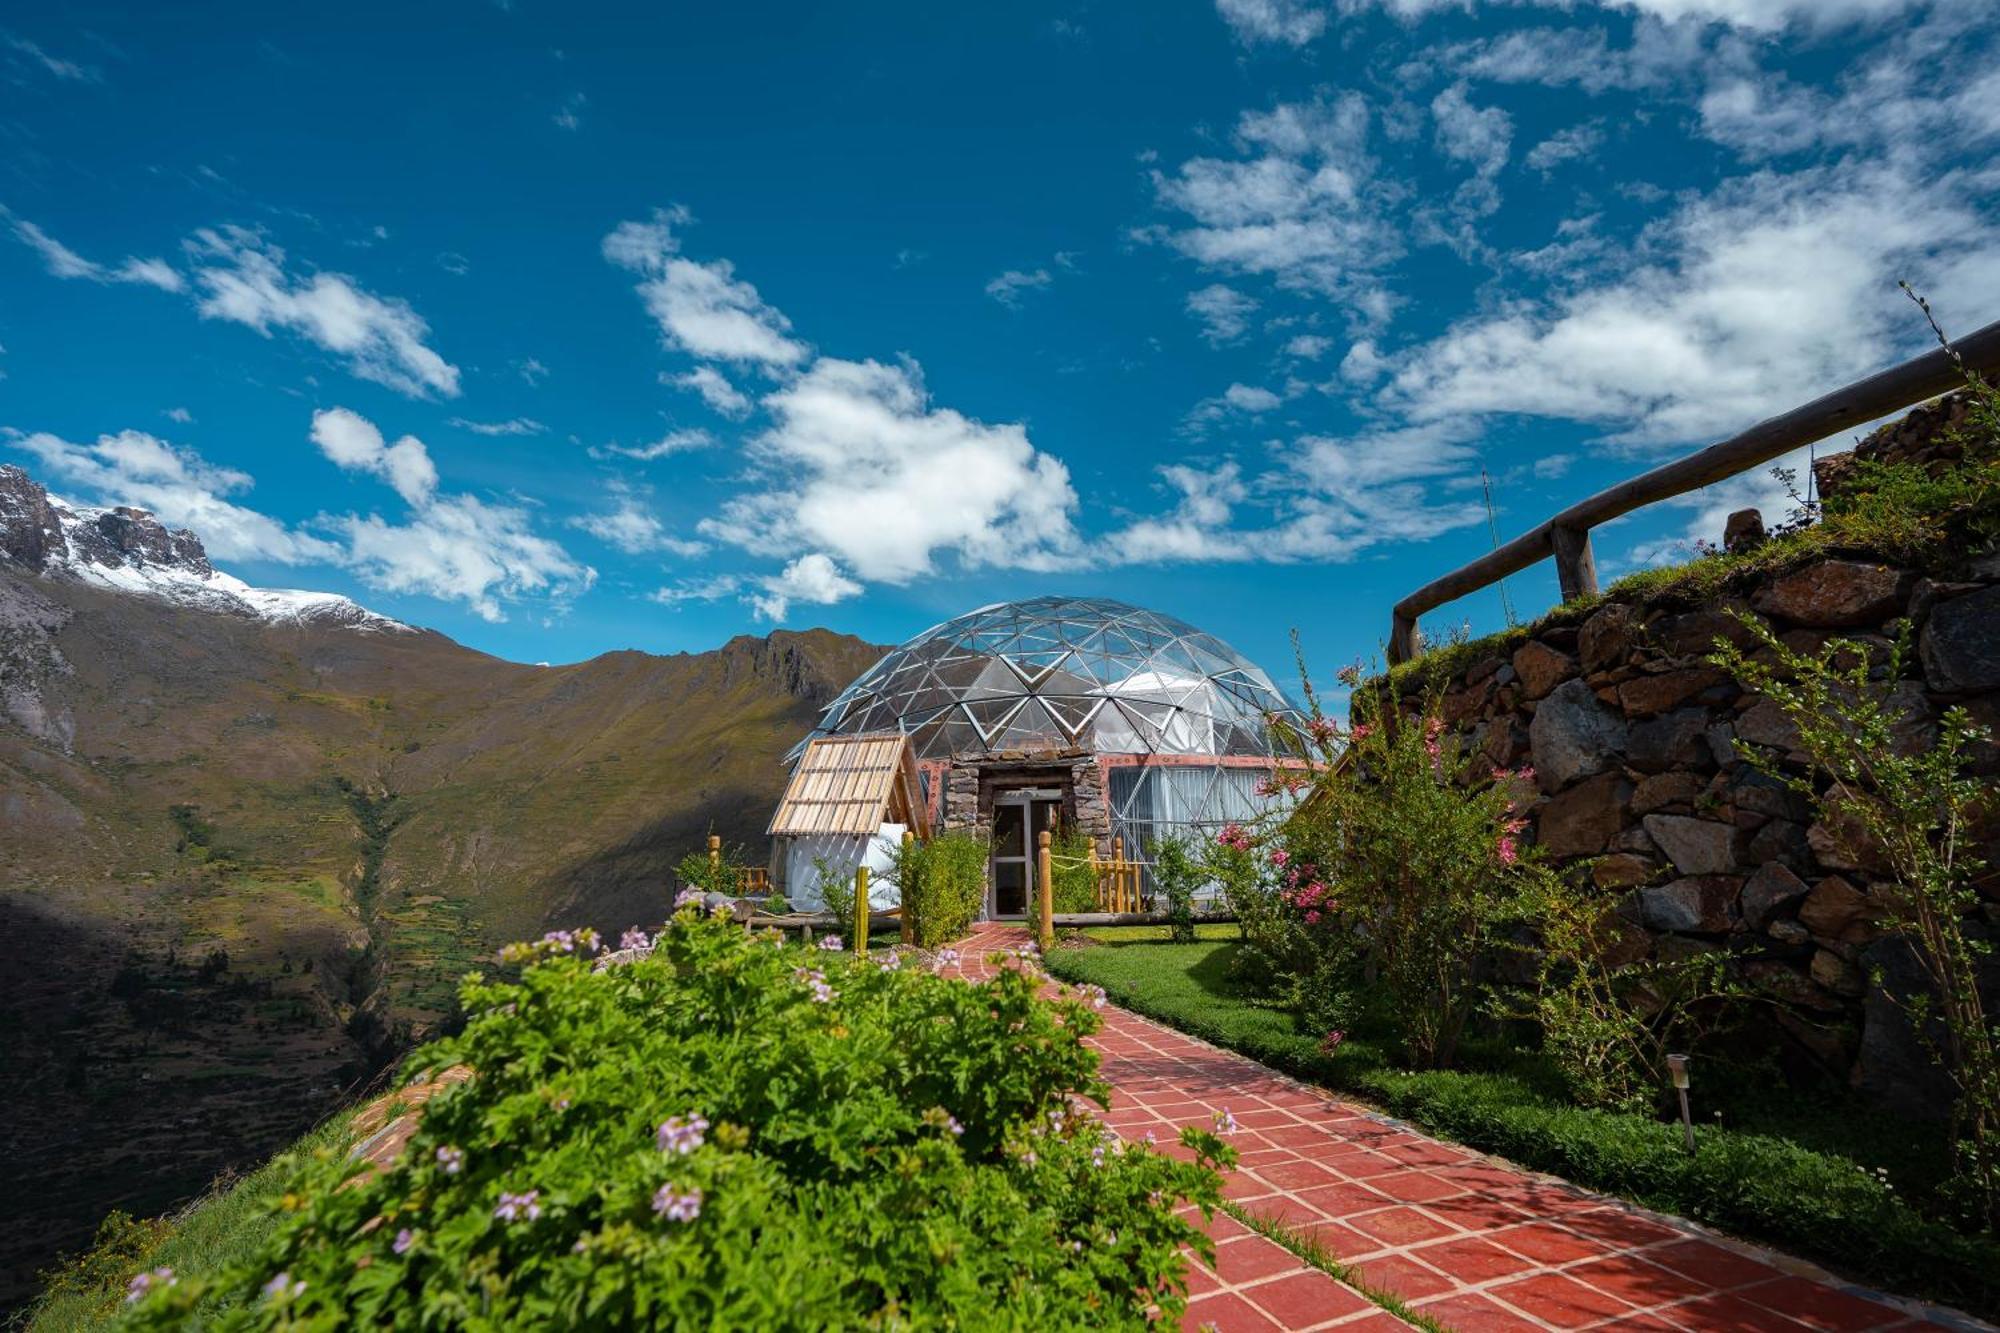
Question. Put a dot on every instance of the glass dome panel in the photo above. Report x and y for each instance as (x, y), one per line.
(1035, 674)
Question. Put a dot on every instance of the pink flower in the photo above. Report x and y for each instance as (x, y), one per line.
(1362, 731)
(1349, 675)
(1312, 918)
(1234, 838)
(1279, 857)
(1505, 848)
(1323, 729)
(1332, 1042)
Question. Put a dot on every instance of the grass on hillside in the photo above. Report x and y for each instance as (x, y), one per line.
(1795, 1172)
(223, 1227)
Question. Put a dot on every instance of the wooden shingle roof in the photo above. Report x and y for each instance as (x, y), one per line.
(852, 785)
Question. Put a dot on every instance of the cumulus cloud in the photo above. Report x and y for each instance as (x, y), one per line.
(722, 397)
(461, 548)
(1223, 311)
(1289, 22)
(1196, 529)
(1477, 135)
(860, 466)
(1770, 291)
(63, 262)
(812, 578)
(353, 443)
(702, 309)
(243, 279)
(183, 489)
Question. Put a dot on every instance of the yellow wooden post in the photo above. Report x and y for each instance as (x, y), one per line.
(1118, 874)
(861, 911)
(1045, 892)
(909, 923)
(714, 852)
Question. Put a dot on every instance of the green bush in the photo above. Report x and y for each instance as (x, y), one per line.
(836, 895)
(1072, 871)
(724, 875)
(735, 1134)
(943, 885)
(1177, 874)
(1762, 1186)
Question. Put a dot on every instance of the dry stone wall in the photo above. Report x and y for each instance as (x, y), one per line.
(1633, 739)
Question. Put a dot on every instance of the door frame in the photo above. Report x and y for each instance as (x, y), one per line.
(1027, 798)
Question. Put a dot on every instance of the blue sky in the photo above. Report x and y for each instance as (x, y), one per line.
(567, 328)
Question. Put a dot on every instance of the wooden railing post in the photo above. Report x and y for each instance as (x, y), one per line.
(1402, 638)
(1576, 565)
(1045, 892)
(909, 923)
(861, 911)
(715, 851)
(1118, 874)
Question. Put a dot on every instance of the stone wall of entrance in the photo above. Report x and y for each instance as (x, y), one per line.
(970, 787)
(1632, 736)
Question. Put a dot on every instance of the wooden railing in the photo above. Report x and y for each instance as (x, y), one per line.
(1567, 535)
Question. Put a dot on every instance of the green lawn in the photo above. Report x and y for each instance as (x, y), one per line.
(1824, 1202)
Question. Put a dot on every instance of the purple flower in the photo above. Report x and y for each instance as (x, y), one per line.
(688, 897)
(1094, 994)
(945, 958)
(635, 938)
(514, 1207)
(451, 1159)
(675, 1206)
(890, 962)
(831, 943)
(405, 1240)
(951, 1124)
(823, 993)
(283, 1287)
(136, 1289)
(1150, 1139)
(682, 1134)
(1225, 1121)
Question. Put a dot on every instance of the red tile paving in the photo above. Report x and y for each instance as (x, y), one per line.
(1469, 1241)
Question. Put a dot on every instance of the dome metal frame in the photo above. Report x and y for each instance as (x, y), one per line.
(1064, 674)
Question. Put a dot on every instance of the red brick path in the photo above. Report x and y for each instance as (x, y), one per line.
(1472, 1242)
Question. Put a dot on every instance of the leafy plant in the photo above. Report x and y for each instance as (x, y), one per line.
(1887, 799)
(1073, 871)
(943, 885)
(836, 895)
(732, 1133)
(1608, 1015)
(1399, 862)
(1177, 874)
(724, 874)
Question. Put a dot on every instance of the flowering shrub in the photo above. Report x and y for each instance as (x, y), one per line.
(719, 1137)
(1396, 867)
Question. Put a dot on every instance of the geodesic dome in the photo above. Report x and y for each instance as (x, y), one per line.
(1064, 673)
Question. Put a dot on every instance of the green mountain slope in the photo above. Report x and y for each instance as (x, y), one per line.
(242, 863)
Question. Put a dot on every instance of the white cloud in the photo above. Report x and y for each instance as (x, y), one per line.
(1759, 15)
(460, 548)
(63, 262)
(1223, 311)
(511, 426)
(1301, 205)
(382, 339)
(1477, 135)
(55, 66)
(812, 578)
(1308, 346)
(1291, 22)
(713, 588)
(1774, 289)
(702, 309)
(715, 389)
(180, 415)
(531, 371)
(631, 526)
(673, 442)
(569, 115)
(1196, 529)
(861, 467)
(1009, 287)
(132, 467)
(353, 443)
(1578, 141)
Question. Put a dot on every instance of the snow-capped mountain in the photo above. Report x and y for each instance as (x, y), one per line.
(131, 551)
